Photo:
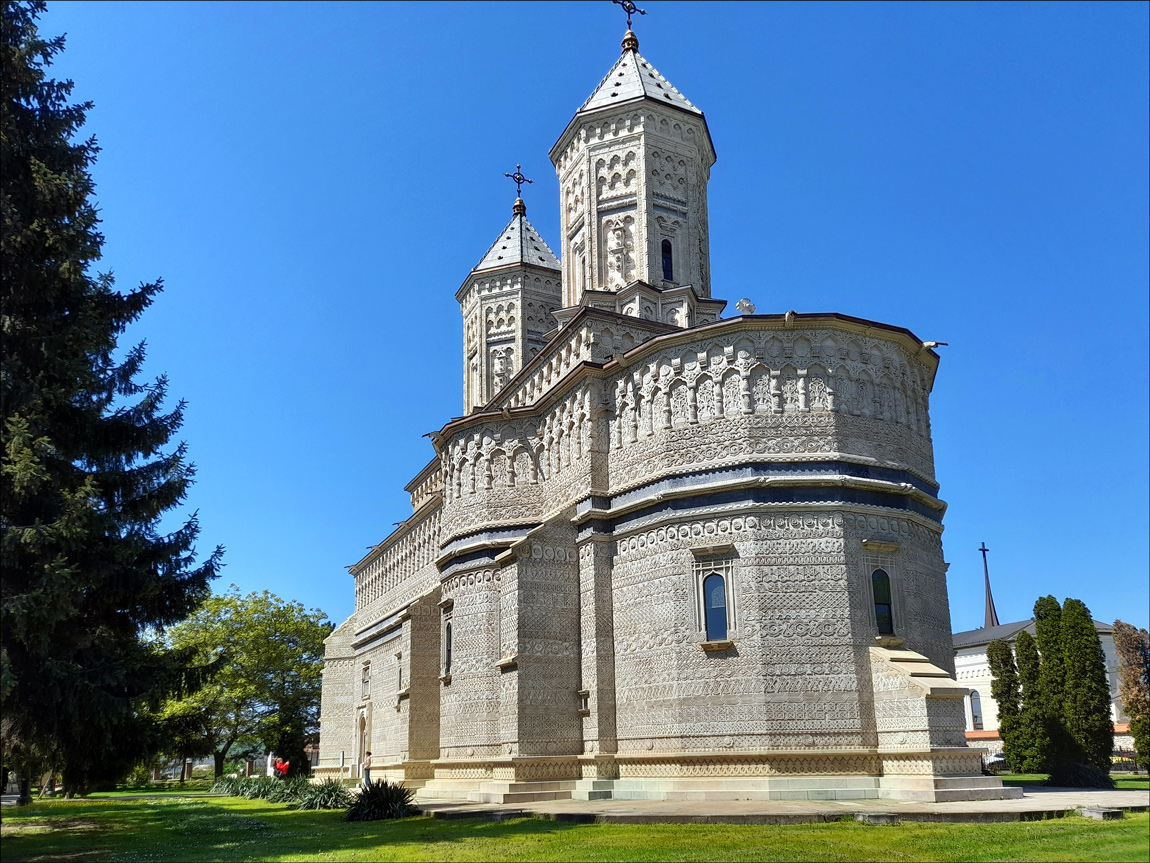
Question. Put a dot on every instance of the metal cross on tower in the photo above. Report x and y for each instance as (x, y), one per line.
(519, 181)
(991, 618)
(630, 8)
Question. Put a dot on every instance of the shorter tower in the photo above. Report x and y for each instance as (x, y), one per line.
(507, 303)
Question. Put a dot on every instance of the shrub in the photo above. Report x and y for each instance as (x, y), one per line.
(329, 794)
(1073, 774)
(288, 790)
(380, 801)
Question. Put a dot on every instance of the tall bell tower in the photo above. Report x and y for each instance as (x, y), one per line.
(633, 166)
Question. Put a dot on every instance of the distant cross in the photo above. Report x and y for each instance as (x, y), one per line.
(984, 550)
(519, 181)
(630, 8)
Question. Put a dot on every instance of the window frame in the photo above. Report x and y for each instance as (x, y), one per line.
(708, 608)
(889, 604)
(446, 645)
(715, 560)
(667, 254)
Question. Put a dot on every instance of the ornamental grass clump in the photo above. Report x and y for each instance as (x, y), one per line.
(329, 794)
(259, 788)
(229, 785)
(381, 801)
(288, 790)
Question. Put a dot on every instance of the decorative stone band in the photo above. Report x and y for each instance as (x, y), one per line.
(760, 470)
(483, 545)
(862, 762)
(833, 482)
(599, 522)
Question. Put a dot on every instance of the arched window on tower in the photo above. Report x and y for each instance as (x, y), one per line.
(882, 604)
(668, 262)
(975, 710)
(715, 607)
(447, 648)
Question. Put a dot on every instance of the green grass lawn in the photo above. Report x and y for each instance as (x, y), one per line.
(1121, 781)
(233, 829)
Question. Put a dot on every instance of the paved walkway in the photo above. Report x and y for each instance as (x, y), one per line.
(1037, 802)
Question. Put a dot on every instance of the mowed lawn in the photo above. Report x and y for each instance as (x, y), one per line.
(182, 829)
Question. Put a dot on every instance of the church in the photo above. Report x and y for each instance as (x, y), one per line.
(665, 553)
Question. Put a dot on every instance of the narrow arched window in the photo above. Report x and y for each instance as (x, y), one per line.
(882, 605)
(668, 262)
(366, 680)
(447, 648)
(715, 607)
(976, 710)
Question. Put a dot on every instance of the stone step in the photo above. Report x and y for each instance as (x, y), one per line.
(589, 794)
(522, 792)
(517, 796)
(1002, 792)
(592, 789)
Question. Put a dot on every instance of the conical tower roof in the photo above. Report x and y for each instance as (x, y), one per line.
(631, 78)
(518, 243)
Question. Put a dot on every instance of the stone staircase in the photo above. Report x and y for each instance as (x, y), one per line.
(945, 789)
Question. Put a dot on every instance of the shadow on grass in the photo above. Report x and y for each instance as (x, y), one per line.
(230, 828)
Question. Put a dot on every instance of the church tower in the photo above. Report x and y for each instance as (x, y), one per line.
(507, 303)
(633, 166)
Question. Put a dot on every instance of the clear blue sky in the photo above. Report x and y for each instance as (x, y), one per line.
(314, 182)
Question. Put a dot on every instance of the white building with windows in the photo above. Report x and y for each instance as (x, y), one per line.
(663, 553)
(972, 669)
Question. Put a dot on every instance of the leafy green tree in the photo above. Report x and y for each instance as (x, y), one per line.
(267, 688)
(88, 464)
(1086, 688)
(1004, 691)
(1051, 678)
(1033, 741)
(1133, 648)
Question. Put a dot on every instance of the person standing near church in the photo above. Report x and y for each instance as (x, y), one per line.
(365, 765)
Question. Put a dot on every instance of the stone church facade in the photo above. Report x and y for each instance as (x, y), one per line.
(664, 554)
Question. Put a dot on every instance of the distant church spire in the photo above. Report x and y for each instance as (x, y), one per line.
(991, 614)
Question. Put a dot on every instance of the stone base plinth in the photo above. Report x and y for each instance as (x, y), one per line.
(938, 775)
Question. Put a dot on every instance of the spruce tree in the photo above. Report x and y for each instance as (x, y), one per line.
(1004, 691)
(1086, 689)
(1033, 741)
(1051, 674)
(88, 466)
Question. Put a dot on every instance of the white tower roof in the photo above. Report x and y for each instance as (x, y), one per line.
(632, 77)
(519, 243)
